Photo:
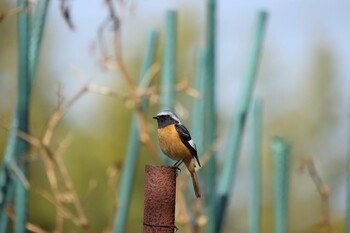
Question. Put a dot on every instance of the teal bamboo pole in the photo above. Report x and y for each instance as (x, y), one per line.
(22, 114)
(197, 117)
(347, 220)
(347, 223)
(227, 177)
(6, 180)
(168, 69)
(8, 198)
(280, 150)
(198, 103)
(255, 171)
(125, 188)
(28, 58)
(210, 116)
(37, 28)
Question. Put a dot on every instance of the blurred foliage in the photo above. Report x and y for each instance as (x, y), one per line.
(93, 160)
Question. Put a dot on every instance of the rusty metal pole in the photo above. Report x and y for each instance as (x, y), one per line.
(159, 204)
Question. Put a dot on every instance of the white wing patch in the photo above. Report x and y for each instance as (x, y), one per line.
(176, 118)
(192, 144)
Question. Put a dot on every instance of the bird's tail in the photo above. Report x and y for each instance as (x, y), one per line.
(195, 184)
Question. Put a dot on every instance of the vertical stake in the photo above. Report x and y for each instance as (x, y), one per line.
(210, 116)
(159, 204)
(236, 133)
(255, 171)
(168, 69)
(280, 150)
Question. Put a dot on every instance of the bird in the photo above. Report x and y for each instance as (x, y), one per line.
(175, 141)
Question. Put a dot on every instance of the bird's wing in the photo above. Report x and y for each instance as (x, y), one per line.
(187, 140)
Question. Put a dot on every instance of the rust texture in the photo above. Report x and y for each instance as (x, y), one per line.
(159, 205)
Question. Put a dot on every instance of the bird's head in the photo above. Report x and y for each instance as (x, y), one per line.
(166, 118)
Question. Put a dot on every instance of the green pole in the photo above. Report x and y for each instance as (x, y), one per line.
(198, 104)
(197, 118)
(37, 28)
(347, 224)
(7, 198)
(123, 198)
(22, 114)
(281, 150)
(168, 69)
(210, 116)
(227, 177)
(169, 57)
(255, 171)
(6, 180)
(28, 47)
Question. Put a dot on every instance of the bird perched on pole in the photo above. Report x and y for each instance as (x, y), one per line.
(175, 141)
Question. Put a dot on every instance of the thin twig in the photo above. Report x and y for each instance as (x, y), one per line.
(11, 12)
(75, 200)
(51, 161)
(66, 13)
(57, 116)
(106, 91)
(49, 158)
(144, 136)
(19, 174)
(23, 135)
(119, 65)
(30, 226)
(183, 216)
(323, 190)
(65, 213)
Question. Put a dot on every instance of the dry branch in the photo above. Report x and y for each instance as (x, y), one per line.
(8, 13)
(57, 116)
(30, 227)
(324, 221)
(65, 10)
(53, 163)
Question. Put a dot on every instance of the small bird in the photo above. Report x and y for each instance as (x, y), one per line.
(175, 141)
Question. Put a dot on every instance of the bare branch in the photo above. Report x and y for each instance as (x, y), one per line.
(57, 116)
(63, 145)
(183, 216)
(144, 136)
(30, 227)
(69, 185)
(23, 135)
(9, 13)
(323, 190)
(66, 13)
(19, 174)
(106, 91)
(62, 212)
(118, 63)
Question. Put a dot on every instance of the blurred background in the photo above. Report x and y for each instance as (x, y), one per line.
(303, 81)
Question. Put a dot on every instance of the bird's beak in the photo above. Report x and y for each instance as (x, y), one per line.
(155, 117)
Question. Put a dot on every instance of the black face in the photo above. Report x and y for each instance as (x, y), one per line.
(164, 120)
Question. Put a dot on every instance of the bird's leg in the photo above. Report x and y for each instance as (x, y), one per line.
(177, 166)
(178, 163)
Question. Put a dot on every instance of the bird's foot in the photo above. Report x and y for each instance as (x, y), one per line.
(177, 166)
(178, 170)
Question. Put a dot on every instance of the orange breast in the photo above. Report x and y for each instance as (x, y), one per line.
(171, 144)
